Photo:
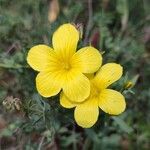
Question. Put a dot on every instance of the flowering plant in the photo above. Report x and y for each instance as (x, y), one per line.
(63, 69)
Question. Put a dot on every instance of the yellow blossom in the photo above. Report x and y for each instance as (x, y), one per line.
(110, 101)
(61, 67)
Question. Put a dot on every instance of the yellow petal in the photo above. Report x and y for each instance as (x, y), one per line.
(48, 84)
(65, 102)
(112, 102)
(40, 57)
(86, 113)
(88, 59)
(65, 40)
(76, 86)
(108, 74)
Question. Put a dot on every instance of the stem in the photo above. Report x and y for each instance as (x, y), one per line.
(89, 23)
(41, 142)
(16, 66)
(87, 144)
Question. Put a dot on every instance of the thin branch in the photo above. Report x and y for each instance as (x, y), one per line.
(16, 66)
(41, 143)
(89, 23)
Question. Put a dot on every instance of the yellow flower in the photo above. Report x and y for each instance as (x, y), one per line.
(110, 101)
(61, 67)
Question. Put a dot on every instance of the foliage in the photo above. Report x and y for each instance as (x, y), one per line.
(119, 28)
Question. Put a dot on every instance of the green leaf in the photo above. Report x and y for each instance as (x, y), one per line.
(122, 124)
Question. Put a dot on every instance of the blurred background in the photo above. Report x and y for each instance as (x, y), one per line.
(119, 29)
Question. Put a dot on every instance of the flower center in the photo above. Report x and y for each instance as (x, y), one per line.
(94, 91)
(66, 65)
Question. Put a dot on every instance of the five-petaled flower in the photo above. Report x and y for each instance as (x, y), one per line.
(61, 67)
(110, 101)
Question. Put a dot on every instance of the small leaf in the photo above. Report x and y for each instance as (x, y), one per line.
(122, 125)
(134, 79)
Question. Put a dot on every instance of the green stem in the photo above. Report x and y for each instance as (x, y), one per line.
(87, 144)
(16, 66)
